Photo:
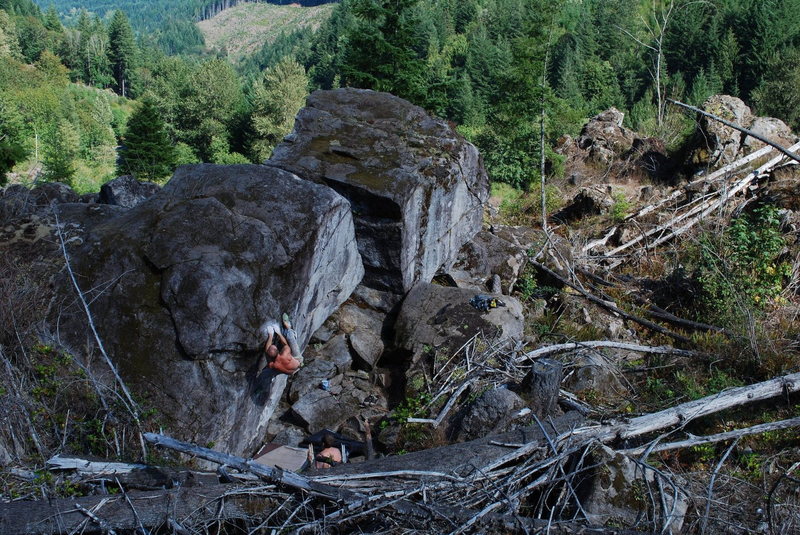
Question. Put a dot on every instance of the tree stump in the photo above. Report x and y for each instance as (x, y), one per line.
(541, 386)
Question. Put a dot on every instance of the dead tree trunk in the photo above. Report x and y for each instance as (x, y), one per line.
(543, 384)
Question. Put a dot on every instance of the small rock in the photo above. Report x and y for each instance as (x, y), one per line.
(491, 413)
(126, 191)
(364, 327)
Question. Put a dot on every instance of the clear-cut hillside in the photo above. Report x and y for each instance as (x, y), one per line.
(244, 28)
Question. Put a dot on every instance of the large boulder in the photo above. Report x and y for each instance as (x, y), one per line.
(605, 138)
(721, 144)
(770, 128)
(441, 318)
(415, 185)
(182, 283)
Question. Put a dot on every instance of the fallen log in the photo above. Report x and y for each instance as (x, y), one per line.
(596, 344)
(719, 437)
(698, 213)
(462, 459)
(686, 412)
(127, 513)
(275, 475)
(596, 300)
(675, 195)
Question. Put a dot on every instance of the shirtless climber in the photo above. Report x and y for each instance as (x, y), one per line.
(280, 360)
(329, 456)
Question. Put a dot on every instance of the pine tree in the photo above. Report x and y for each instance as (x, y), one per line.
(122, 52)
(9, 45)
(147, 152)
(51, 21)
(60, 153)
(384, 50)
(277, 97)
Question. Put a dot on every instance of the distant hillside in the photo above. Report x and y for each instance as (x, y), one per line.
(147, 16)
(243, 29)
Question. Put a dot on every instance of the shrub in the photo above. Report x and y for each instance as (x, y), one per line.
(740, 269)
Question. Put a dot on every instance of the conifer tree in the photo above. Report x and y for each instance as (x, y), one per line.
(147, 152)
(277, 97)
(122, 52)
(51, 21)
(60, 153)
(383, 49)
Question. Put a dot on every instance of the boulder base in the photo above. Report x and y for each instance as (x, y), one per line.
(442, 318)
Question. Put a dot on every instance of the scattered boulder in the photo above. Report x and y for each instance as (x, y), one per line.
(364, 327)
(720, 144)
(337, 351)
(604, 137)
(350, 393)
(591, 375)
(771, 128)
(17, 201)
(196, 270)
(441, 317)
(618, 495)
(310, 377)
(126, 191)
(589, 201)
(607, 148)
(486, 256)
(493, 412)
(415, 186)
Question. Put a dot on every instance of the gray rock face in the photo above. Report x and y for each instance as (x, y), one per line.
(126, 191)
(350, 393)
(416, 186)
(485, 256)
(364, 327)
(618, 495)
(771, 128)
(491, 413)
(195, 271)
(723, 141)
(441, 317)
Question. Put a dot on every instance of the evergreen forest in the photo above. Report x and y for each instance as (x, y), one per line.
(513, 75)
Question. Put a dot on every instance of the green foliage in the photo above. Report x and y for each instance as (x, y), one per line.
(383, 51)
(411, 407)
(147, 152)
(778, 94)
(276, 99)
(61, 153)
(740, 270)
(122, 53)
(11, 147)
(620, 207)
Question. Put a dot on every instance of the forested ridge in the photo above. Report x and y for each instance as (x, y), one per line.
(652, 257)
(489, 66)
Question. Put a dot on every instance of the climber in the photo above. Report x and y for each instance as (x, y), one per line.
(329, 456)
(280, 360)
